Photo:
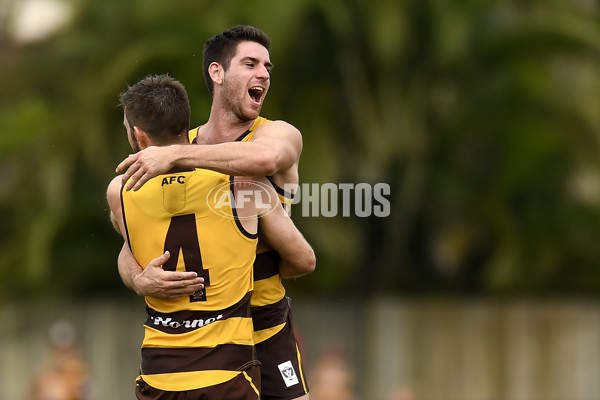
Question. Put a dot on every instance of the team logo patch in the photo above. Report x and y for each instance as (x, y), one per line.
(288, 373)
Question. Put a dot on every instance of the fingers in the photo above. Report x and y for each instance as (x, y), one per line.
(160, 260)
(170, 284)
(143, 166)
(137, 175)
(175, 280)
(177, 284)
(126, 163)
(134, 177)
(129, 173)
(139, 182)
(184, 287)
(181, 276)
(135, 172)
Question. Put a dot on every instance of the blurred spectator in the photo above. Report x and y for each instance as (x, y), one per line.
(332, 377)
(65, 376)
(401, 393)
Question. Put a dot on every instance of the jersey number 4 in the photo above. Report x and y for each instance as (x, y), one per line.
(183, 236)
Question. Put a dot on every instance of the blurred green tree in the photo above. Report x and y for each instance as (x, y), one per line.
(480, 115)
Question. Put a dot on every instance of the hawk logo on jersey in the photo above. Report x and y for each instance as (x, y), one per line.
(288, 373)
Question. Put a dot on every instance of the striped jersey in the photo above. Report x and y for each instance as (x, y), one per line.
(269, 303)
(207, 338)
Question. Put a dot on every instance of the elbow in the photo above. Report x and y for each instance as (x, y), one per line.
(310, 263)
(270, 166)
(267, 164)
(298, 265)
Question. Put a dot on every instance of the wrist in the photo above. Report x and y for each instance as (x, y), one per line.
(186, 156)
(134, 285)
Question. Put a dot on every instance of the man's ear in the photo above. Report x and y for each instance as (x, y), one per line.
(216, 72)
(142, 137)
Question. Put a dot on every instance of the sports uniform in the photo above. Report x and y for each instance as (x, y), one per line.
(204, 342)
(282, 374)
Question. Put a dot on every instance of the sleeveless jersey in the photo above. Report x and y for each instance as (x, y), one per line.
(269, 303)
(207, 338)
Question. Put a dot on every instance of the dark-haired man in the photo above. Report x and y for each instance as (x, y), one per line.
(201, 345)
(238, 141)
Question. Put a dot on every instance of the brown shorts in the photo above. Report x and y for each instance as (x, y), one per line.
(238, 388)
(282, 375)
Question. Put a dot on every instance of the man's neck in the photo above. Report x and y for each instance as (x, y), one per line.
(183, 141)
(222, 127)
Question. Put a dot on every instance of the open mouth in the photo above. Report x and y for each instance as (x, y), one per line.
(256, 93)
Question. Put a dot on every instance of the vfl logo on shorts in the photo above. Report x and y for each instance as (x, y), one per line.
(288, 374)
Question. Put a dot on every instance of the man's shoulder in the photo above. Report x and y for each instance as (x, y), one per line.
(115, 184)
(266, 127)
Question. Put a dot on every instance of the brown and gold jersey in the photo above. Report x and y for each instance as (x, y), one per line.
(207, 338)
(269, 304)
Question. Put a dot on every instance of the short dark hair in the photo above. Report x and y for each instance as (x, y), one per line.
(158, 104)
(221, 48)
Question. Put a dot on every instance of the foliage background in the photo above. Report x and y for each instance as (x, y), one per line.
(481, 115)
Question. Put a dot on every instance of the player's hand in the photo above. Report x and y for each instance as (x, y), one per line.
(145, 165)
(156, 282)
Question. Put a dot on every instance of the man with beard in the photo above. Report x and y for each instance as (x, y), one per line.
(236, 140)
(201, 345)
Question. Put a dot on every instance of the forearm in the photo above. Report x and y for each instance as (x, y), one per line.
(234, 158)
(296, 265)
(278, 231)
(128, 268)
(297, 256)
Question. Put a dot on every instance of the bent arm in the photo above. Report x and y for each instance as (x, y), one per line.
(128, 266)
(278, 230)
(300, 262)
(152, 280)
(276, 146)
(129, 269)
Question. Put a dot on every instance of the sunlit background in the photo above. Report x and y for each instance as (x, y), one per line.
(483, 117)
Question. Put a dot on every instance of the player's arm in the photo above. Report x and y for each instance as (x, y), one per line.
(278, 230)
(276, 146)
(128, 266)
(152, 280)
